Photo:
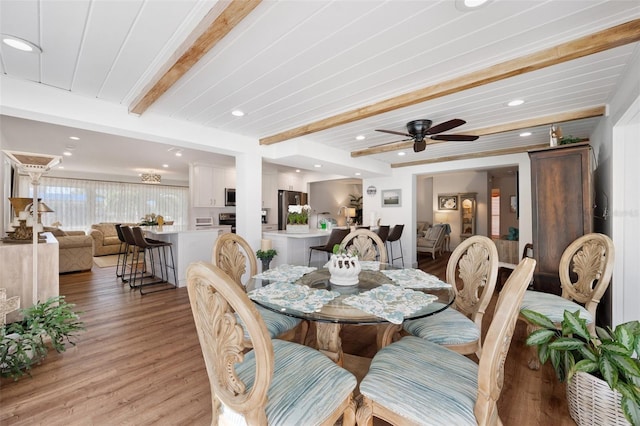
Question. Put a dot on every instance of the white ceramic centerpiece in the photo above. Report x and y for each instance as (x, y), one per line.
(344, 269)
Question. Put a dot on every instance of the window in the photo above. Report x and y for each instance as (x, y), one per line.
(495, 212)
(78, 203)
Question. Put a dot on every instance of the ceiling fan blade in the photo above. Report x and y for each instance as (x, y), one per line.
(446, 126)
(389, 143)
(394, 132)
(455, 138)
(419, 146)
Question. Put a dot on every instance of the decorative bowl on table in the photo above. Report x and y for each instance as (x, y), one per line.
(344, 269)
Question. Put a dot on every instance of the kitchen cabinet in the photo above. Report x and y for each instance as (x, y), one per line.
(270, 192)
(562, 204)
(208, 186)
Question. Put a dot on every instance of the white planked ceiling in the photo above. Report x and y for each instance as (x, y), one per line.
(290, 63)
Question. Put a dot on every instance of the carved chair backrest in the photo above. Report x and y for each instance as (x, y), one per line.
(475, 262)
(214, 299)
(590, 258)
(367, 244)
(231, 253)
(497, 342)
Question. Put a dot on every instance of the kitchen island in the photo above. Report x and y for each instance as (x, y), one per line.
(293, 249)
(189, 245)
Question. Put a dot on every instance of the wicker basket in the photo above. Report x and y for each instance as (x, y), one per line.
(592, 402)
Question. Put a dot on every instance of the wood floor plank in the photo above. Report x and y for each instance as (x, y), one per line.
(139, 363)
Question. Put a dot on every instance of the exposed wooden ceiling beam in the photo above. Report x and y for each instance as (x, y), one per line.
(500, 128)
(216, 27)
(504, 151)
(610, 38)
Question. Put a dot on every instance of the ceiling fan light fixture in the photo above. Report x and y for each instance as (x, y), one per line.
(20, 44)
(151, 178)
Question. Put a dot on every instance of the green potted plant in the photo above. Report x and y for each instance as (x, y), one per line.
(579, 358)
(24, 343)
(266, 256)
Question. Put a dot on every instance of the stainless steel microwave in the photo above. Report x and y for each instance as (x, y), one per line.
(229, 196)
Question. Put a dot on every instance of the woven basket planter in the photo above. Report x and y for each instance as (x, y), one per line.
(592, 402)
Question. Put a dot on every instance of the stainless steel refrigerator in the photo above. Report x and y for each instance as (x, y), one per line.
(285, 199)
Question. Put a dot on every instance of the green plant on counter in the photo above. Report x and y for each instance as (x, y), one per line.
(23, 343)
(266, 254)
(610, 356)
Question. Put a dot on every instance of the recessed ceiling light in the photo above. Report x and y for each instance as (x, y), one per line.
(178, 153)
(360, 137)
(20, 44)
(317, 166)
(524, 134)
(468, 5)
(357, 173)
(401, 153)
(75, 138)
(165, 165)
(297, 170)
(515, 102)
(61, 167)
(237, 113)
(67, 154)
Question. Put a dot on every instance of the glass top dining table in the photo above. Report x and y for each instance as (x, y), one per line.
(386, 287)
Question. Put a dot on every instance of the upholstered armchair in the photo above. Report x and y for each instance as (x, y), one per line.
(432, 241)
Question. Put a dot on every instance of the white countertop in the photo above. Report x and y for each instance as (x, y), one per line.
(175, 229)
(311, 234)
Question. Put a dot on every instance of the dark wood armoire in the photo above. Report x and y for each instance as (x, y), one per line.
(562, 203)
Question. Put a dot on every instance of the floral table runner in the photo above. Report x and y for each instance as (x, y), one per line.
(415, 278)
(294, 296)
(285, 273)
(391, 302)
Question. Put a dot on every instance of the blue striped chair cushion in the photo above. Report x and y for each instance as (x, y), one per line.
(449, 327)
(552, 306)
(276, 323)
(306, 386)
(423, 382)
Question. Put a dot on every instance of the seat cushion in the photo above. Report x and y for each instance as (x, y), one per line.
(306, 386)
(449, 327)
(552, 306)
(276, 323)
(423, 382)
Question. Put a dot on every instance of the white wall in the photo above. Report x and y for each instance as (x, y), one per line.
(615, 143)
(424, 199)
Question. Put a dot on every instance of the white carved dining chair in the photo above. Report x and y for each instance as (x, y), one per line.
(415, 381)
(366, 244)
(233, 254)
(585, 273)
(275, 383)
(474, 265)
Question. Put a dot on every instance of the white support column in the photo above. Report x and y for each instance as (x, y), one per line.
(249, 198)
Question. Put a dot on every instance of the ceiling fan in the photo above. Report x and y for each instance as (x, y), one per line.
(418, 130)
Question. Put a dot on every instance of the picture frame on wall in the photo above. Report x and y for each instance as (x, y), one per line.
(447, 201)
(391, 197)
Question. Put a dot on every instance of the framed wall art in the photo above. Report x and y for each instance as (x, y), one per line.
(391, 197)
(447, 201)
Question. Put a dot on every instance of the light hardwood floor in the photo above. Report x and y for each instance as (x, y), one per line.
(139, 363)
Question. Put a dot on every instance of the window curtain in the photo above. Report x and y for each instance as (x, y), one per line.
(78, 203)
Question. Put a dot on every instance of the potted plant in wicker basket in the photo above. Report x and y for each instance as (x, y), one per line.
(602, 373)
